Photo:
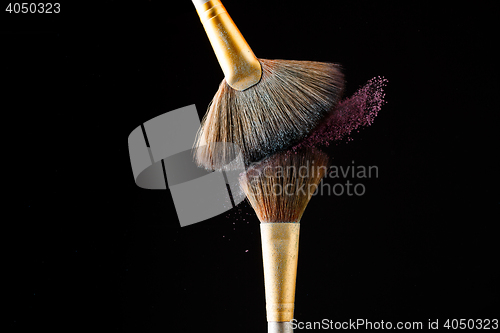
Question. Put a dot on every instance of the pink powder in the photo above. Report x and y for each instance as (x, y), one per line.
(351, 113)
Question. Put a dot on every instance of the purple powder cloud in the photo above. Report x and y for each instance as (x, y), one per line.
(351, 113)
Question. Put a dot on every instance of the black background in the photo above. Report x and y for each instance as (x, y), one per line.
(88, 249)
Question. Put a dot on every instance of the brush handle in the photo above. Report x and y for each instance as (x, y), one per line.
(279, 327)
(198, 3)
(280, 249)
(241, 68)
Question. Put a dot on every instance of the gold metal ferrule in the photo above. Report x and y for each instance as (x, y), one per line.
(280, 249)
(239, 64)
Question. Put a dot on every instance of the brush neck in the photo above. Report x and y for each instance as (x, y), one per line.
(280, 248)
(241, 68)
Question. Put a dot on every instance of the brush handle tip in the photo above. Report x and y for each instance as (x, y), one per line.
(198, 3)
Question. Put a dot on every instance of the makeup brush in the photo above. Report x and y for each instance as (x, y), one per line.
(262, 106)
(279, 189)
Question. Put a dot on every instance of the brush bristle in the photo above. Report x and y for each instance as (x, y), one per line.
(280, 187)
(290, 100)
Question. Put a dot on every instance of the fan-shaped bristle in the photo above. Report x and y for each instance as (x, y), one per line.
(280, 187)
(290, 100)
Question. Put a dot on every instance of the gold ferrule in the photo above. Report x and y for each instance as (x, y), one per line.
(280, 249)
(239, 64)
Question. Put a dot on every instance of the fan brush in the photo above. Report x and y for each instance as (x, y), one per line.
(262, 106)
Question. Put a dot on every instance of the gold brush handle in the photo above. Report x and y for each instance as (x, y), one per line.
(280, 249)
(240, 66)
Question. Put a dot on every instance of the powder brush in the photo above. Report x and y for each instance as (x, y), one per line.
(279, 189)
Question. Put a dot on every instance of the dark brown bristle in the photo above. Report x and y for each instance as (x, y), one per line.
(290, 100)
(280, 187)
